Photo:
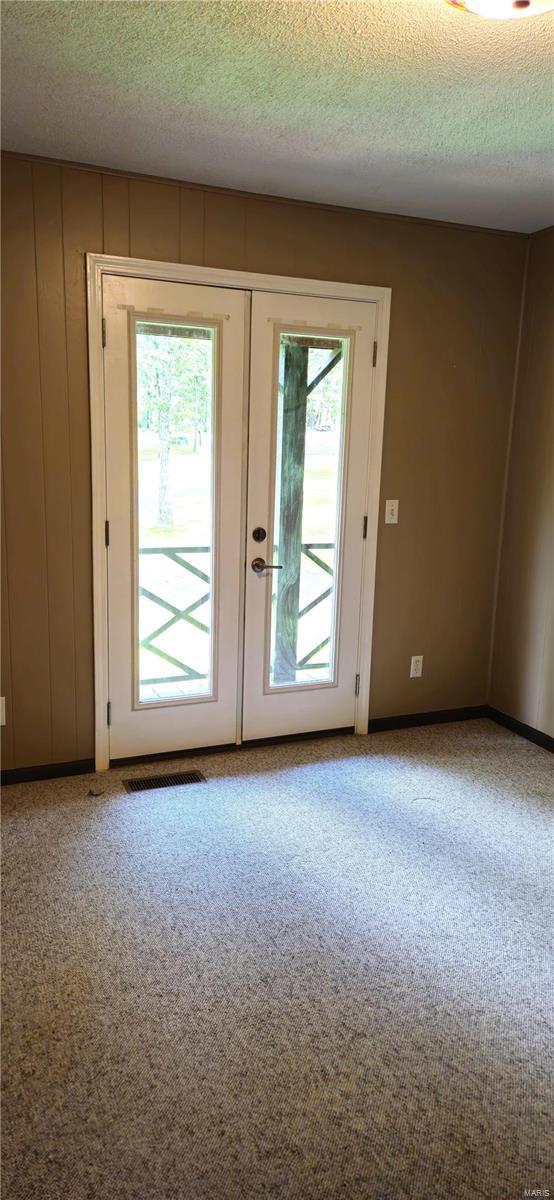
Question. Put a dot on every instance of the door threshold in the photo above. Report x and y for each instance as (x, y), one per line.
(251, 744)
(165, 755)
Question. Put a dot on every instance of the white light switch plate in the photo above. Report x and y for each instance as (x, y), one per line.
(391, 512)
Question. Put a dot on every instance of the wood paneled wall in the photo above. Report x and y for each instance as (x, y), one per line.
(455, 309)
(522, 683)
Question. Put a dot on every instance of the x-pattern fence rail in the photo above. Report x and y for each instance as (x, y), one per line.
(176, 554)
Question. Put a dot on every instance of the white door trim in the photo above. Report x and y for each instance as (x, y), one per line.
(99, 265)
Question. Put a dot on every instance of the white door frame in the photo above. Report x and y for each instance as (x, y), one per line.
(106, 264)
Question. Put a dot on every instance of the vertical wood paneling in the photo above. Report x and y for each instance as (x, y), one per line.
(497, 291)
(82, 232)
(323, 244)
(545, 684)
(115, 199)
(24, 474)
(192, 225)
(270, 237)
(154, 220)
(8, 759)
(454, 309)
(57, 457)
(225, 231)
(522, 678)
(443, 453)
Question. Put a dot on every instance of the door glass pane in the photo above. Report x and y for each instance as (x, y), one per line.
(175, 485)
(308, 480)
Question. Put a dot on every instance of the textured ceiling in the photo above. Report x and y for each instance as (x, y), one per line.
(403, 106)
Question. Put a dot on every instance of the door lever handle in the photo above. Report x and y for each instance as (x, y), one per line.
(259, 565)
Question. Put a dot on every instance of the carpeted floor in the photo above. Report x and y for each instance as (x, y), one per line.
(322, 975)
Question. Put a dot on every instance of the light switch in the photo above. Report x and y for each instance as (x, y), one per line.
(391, 512)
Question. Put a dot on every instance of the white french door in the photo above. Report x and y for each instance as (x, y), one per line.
(228, 621)
(307, 477)
(174, 396)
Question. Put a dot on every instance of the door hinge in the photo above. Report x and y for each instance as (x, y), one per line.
(375, 354)
(107, 533)
(364, 535)
(357, 686)
(103, 331)
(109, 713)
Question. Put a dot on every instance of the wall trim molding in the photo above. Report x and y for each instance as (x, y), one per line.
(99, 265)
(525, 731)
(442, 716)
(81, 766)
(438, 716)
(469, 713)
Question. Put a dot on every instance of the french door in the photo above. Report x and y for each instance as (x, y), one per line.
(307, 475)
(236, 511)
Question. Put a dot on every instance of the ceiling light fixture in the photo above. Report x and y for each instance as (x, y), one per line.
(503, 10)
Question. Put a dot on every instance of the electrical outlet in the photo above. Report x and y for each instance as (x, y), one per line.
(391, 512)
(2, 710)
(416, 667)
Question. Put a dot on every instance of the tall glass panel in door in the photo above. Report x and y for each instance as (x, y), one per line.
(311, 411)
(175, 505)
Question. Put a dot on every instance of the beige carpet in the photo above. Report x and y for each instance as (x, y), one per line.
(322, 975)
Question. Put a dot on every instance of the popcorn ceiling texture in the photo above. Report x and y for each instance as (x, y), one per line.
(400, 106)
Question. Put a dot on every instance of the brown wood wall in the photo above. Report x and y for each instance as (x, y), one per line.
(455, 308)
(522, 683)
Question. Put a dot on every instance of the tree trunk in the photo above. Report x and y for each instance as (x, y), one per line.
(165, 512)
(293, 447)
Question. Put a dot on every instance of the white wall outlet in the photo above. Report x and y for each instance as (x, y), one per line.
(2, 710)
(391, 512)
(416, 666)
